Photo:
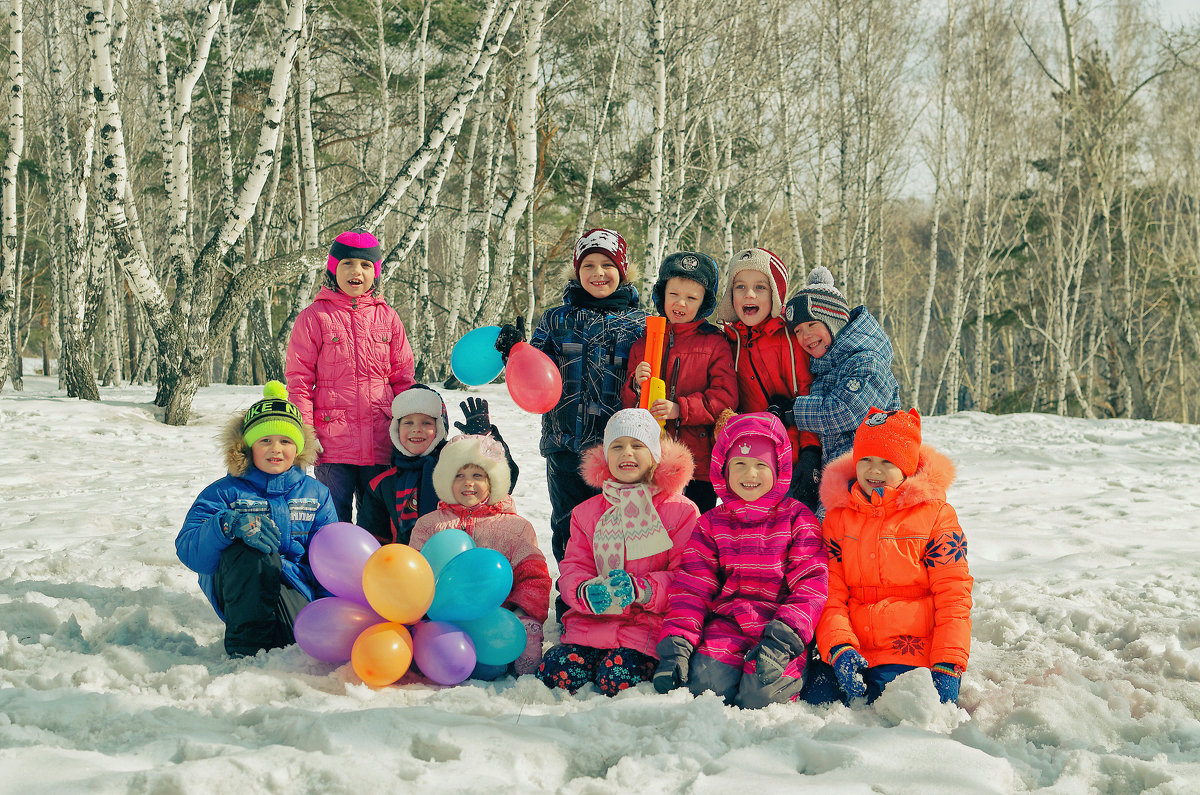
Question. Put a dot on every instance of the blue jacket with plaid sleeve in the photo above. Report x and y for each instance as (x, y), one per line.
(590, 345)
(853, 375)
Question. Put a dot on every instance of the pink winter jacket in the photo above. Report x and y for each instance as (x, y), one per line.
(498, 527)
(749, 563)
(636, 628)
(346, 359)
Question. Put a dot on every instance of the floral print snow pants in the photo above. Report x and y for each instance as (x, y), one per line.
(571, 666)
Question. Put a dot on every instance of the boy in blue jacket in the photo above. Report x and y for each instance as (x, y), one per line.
(247, 534)
(850, 357)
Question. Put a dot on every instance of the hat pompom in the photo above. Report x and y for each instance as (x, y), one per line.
(820, 276)
(275, 389)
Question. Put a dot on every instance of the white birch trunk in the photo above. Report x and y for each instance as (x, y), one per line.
(658, 50)
(8, 187)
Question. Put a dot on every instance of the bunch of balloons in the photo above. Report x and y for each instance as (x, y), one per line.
(532, 377)
(382, 592)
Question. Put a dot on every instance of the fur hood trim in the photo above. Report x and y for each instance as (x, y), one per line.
(237, 455)
(674, 470)
(482, 451)
(935, 472)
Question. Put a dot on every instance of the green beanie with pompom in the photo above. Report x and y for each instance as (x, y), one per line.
(273, 416)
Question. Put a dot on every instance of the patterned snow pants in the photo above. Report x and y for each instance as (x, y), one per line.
(571, 666)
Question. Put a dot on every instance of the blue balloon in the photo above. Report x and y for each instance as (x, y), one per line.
(443, 546)
(474, 359)
(471, 585)
(499, 636)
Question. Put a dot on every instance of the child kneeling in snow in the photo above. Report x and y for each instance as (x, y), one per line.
(623, 551)
(472, 481)
(899, 588)
(745, 604)
(247, 534)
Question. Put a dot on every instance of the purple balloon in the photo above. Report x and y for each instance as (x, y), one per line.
(337, 554)
(327, 628)
(443, 652)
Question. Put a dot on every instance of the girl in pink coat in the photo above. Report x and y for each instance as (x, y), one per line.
(348, 356)
(622, 553)
(753, 580)
(472, 479)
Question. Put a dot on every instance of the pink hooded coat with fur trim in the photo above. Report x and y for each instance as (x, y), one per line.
(638, 627)
(346, 359)
(899, 588)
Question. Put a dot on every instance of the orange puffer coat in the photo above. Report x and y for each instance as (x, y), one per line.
(899, 588)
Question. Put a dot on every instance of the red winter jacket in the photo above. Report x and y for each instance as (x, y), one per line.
(707, 384)
(770, 365)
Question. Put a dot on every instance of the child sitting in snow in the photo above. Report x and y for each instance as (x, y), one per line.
(247, 534)
(623, 551)
(899, 588)
(472, 480)
(404, 492)
(745, 603)
(851, 360)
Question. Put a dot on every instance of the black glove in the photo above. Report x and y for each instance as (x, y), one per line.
(475, 416)
(509, 336)
(781, 407)
(806, 477)
(778, 646)
(674, 652)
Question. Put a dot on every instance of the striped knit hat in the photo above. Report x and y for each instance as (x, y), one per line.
(273, 416)
(358, 243)
(892, 435)
(764, 262)
(818, 300)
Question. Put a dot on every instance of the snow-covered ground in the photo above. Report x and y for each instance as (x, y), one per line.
(1083, 675)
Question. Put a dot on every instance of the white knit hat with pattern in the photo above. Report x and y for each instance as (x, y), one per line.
(638, 423)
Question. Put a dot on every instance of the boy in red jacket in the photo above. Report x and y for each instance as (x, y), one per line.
(771, 369)
(704, 383)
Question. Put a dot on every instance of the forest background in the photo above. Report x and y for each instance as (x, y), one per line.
(1011, 186)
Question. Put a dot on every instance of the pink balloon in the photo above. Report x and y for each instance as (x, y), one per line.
(533, 379)
(327, 628)
(443, 652)
(337, 554)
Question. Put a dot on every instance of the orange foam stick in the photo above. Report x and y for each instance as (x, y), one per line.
(656, 336)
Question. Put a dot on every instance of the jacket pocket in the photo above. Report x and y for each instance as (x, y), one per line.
(329, 421)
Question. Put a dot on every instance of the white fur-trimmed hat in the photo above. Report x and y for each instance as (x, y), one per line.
(482, 451)
(761, 261)
(418, 399)
(638, 423)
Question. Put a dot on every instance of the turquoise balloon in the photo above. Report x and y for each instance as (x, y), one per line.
(499, 636)
(474, 359)
(443, 546)
(471, 585)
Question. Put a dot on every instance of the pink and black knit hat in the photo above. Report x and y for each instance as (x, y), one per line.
(608, 243)
(358, 243)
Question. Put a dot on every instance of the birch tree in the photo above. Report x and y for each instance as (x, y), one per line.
(8, 190)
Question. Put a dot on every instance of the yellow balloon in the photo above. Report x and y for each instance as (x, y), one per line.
(398, 583)
(382, 653)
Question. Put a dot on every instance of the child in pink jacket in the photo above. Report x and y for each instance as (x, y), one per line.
(472, 479)
(754, 578)
(622, 553)
(348, 356)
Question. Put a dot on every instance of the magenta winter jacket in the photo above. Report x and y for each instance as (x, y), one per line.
(637, 628)
(346, 359)
(747, 564)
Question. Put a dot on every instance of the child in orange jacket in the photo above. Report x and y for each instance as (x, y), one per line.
(899, 588)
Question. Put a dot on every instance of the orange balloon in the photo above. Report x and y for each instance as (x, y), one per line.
(382, 653)
(398, 583)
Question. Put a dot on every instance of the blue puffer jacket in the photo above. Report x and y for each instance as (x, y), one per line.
(853, 375)
(589, 341)
(300, 505)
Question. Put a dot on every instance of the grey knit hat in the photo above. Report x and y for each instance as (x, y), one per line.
(818, 300)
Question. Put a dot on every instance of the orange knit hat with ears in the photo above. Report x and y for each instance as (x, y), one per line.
(893, 435)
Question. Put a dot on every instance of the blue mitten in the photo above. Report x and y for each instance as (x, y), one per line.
(946, 678)
(596, 597)
(848, 666)
(627, 589)
(258, 531)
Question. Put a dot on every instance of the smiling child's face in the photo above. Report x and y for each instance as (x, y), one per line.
(751, 297)
(355, 276)
(814, 337)
(599, 275)
(874, 472)
(471, 486)
(417, 432)
(273, 454)
(681, 299)
(629, 460)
